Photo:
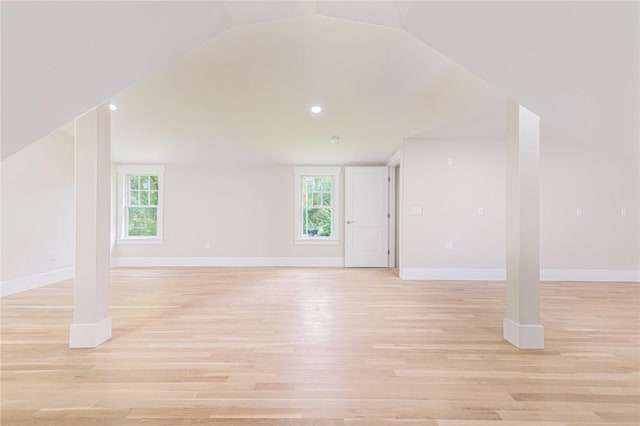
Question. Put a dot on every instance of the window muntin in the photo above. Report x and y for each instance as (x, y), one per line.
(317, 206)
(142, 206)
(139, 204)
(317, 210)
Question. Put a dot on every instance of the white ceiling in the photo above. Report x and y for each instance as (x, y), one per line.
(574, 63)
(60, 59)
(245, 96)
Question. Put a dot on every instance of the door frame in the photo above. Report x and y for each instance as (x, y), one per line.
(395, 197)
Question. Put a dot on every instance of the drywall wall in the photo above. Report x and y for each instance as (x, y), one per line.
(449, 180)
(600, 245)
(243, 212)
(601, 183)
(38, 211)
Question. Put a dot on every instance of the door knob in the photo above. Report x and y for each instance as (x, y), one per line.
(349, 222)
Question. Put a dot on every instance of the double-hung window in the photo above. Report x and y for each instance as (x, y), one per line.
(317, 191)
(140, 204)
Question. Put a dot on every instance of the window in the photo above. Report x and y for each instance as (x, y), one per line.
(317, 190)
(140, 204)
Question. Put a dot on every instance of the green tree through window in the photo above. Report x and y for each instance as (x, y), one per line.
(142, 206)
(317, 206)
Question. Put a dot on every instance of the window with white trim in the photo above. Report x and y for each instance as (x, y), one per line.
(317, 191)
(140, 204)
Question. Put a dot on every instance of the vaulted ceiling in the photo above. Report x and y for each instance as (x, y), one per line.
(244, 97)
(382, 70)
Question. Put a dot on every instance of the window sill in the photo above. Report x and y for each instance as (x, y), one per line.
(316, 242)
(139, 241)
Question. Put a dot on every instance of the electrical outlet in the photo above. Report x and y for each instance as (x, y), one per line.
(207, 245)
(579, 211)
(450, 161)
(623, 212)
(480, 211)
(448, 245)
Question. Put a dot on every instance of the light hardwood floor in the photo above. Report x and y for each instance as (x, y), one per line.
(320, 347)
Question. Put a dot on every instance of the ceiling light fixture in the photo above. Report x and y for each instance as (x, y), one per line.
(334, 140)
(112, 107)
(316, 109)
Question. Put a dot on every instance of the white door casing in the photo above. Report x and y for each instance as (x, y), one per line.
(366, 217)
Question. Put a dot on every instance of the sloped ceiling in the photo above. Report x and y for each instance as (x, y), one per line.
(60, 59)
(574, 63)
(244, 97)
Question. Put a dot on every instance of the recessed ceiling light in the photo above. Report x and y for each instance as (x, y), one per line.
(316, 109)
(112, 107)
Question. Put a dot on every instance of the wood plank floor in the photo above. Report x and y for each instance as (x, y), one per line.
(283, 346)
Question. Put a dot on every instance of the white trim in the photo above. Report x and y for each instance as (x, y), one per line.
(391, 209)
(523, 336)
(133, 240)
(122, 172)
(139, 169)
(316, 242)
(399, 219)
(18, 285)
(229, 261)
(601, 275)
(316, 170)
(335, 204)
(486, 274)
(395, 159)
(90, 335)
(458, 274)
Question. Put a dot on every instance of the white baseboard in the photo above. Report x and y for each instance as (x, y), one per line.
(481, 274)
(523, 336)
(229, 261)
(18, 285)
(602, 275)
(89, 335)
(457, 274)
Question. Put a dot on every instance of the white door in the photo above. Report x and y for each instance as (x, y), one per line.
(366, 217)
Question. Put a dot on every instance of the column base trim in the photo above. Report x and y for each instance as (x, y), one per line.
(89, 335)
(523, 336)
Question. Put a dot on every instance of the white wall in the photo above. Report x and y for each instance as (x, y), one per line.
(575, 176)
(601, 245)
(450, 196)
(248, 212)
(243, 212)
(38, 212)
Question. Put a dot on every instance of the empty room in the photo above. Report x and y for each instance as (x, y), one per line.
(320, 213)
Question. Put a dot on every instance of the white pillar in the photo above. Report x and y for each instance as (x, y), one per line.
(521, 325)
(91, 321)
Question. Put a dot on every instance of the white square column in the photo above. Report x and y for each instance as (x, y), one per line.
(91, 321)
(521, 325)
